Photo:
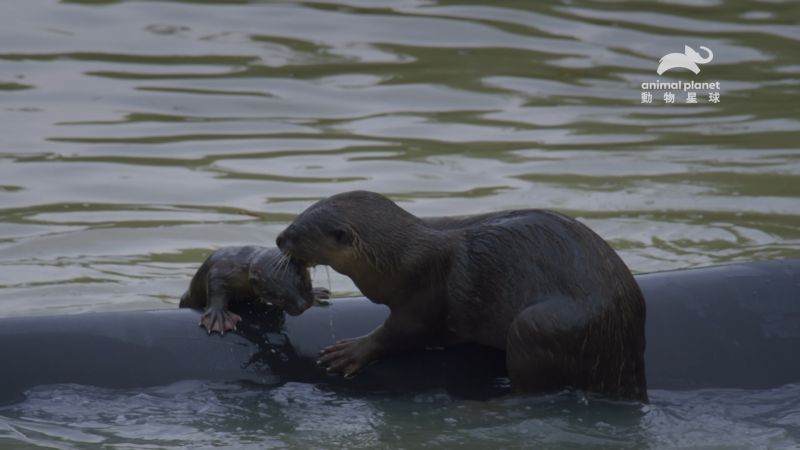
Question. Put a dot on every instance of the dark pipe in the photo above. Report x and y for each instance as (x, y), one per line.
(735, 326)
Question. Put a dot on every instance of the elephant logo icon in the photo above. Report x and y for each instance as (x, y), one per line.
(689, 59)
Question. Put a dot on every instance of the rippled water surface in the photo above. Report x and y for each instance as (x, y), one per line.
(204, 415)
(138, 136)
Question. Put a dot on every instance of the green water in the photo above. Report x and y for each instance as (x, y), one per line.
(138, 136)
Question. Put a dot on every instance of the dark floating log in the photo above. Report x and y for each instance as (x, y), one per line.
(734, 326)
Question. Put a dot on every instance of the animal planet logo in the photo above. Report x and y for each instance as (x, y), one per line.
(688, 60)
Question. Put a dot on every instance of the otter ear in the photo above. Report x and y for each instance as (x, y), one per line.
(342, 236)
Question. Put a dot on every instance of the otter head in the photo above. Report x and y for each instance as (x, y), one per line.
(357, 233)
(287, 286)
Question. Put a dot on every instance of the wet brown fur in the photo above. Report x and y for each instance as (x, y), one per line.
(244, 274)
(536, 283)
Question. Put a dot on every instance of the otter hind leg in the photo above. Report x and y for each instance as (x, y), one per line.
(562, 343)
(541, 350)
(217, 317)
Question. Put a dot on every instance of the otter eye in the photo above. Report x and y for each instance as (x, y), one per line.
(340, 235)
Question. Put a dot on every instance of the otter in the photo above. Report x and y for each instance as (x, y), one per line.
(537, 284)
(245, 274)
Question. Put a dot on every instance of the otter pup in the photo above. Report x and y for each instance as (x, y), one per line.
(245, 274)
(535, 283)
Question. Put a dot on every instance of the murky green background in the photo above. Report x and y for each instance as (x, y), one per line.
(137, 136)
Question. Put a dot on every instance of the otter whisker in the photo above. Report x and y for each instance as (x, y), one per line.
(283, 262)
(287, 264)
(280, 261)
(275, 263)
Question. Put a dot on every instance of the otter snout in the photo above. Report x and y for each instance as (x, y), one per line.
(285, 239)
(280, 241)
(289, 244)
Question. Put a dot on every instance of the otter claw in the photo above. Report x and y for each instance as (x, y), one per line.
(346, 357)
(219, 321)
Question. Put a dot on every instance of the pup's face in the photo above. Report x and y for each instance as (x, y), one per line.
(288, 287)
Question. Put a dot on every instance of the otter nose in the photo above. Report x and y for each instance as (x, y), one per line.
(283, 239)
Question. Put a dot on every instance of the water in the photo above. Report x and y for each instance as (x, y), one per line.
(296, 415)
(138, 136)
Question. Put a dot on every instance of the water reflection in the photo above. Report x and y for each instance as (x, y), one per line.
(138, 136)
(298, 415)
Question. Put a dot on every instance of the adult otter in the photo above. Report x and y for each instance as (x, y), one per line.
(536, 283)
(244, 274)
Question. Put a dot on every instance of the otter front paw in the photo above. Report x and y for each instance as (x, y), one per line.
(219, 320)
(347, 356)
